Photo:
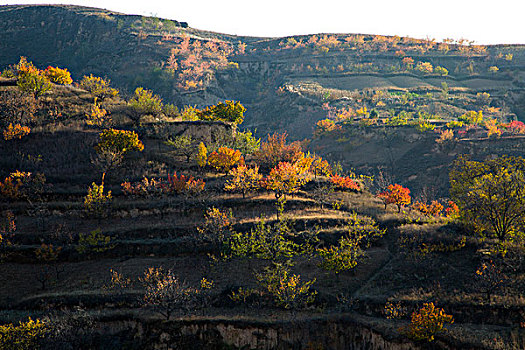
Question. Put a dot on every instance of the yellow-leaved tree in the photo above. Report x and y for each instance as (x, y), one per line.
(243, 180)
(490, 195)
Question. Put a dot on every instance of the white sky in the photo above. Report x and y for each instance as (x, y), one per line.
(486, 22)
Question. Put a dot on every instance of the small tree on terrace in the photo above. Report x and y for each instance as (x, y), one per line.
(227, 111)
(113, 145)
(490, 195)
(396, 194)
(276, 150)
(284, 179)
(184, 145)
(32, 80)
(243, 180)
(145, 102)
(98, 87)
(224, 159)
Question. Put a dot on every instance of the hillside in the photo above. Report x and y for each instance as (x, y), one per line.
(283, 82)
(128, 221)
(84, 271)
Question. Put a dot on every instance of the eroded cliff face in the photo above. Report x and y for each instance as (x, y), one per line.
(342, 334)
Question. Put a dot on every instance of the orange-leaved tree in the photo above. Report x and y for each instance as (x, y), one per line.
(224, 159)
(344, 183)
(395, 194)
(433, 209)
(243, 179)
(184, 184)
(285, 178)
(16, 131)
(276, 150)
(427, 322)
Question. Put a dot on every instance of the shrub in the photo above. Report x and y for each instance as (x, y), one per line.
(97, 116)
(183, 184)
(146, 187)
(445, 137)
(58, 76)
(427, 322)
(95, 241)
(344, 183)
(246, 142)
(472, 117)
(145, 102)
(325, 126)
(434, 209)
(454, 124)
(492, 128)
(441, 71)
(98, 87)
(224, 159)
(16, 132)
(424, 126)
(343, 257)
(33, 81)
(227, 111)
(96, 202)
(217, 225)
(24, 336)
(424, 67)
(20, 185)
(287, 290)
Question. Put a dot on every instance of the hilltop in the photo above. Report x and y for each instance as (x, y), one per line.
(283, 82)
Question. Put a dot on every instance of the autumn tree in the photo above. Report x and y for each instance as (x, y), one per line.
(427, 322)
(145, 102)
(58, 75)
(184, 145)
(284, 179)
(202, 155)
(286, 289)
(489, 279)
(275, 150)
(166, 293)
(342, 257)
(99, 87)
(24, 336)
(97, 115)
(490, 195)
(395, 194)
(96, 201)
(32, 80)
(224, 159)
(243, 179)
(113, 145)
(16, 131)
(227, 111)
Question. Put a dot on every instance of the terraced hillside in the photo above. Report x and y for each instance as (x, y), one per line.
(305, 258)
(284, 82)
